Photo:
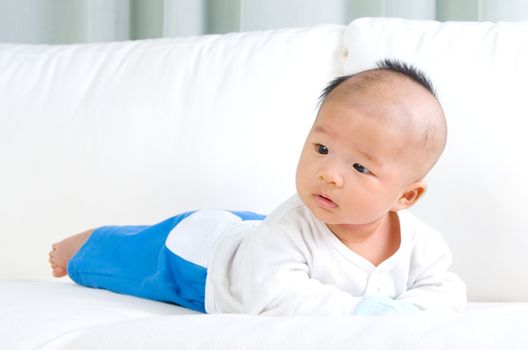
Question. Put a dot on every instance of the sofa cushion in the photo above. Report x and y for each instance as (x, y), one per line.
(479, 191)
(134, 132)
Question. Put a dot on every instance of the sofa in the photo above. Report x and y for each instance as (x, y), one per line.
(135, 132)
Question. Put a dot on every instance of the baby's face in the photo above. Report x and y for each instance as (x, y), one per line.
(354, 166)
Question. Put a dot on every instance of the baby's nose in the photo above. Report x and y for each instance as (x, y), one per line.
(331, 176)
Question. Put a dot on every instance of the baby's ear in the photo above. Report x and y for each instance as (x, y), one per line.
(411, 195)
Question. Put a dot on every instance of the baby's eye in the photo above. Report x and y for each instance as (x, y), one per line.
(321, 149)
(361, 168)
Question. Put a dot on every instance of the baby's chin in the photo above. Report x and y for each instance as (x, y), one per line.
(333, 219)
(333, 215)
(325, 215)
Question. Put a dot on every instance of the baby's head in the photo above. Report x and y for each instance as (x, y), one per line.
(376, 136)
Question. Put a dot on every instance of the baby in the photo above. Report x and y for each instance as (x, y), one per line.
(344, 244)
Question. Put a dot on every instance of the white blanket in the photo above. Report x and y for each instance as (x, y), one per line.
(33, 313)
(50, 315)
(499, 327)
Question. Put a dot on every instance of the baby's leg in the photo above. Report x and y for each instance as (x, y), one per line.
(132, 260)
(158, 262)
(63, 251)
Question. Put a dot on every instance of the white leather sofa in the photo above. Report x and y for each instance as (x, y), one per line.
(134, 132)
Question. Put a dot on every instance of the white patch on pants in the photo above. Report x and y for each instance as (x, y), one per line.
(193, 238)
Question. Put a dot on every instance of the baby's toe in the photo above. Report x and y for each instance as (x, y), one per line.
(59, 271)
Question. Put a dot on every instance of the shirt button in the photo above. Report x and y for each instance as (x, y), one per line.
(381, 284)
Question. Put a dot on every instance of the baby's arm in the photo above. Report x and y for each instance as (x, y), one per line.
(431, 285)
(270, 276)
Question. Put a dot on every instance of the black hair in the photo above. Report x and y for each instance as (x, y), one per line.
(386, 64)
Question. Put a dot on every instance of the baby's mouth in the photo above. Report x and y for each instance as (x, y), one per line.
(324, 201)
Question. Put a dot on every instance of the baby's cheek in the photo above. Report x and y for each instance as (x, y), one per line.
(366, 207)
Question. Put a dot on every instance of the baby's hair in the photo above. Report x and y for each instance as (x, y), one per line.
(434, 136)
(386, 64)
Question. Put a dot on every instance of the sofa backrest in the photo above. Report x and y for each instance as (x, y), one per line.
(478, 193)
(135, 132)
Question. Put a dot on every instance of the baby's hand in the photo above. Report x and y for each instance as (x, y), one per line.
(378, 305)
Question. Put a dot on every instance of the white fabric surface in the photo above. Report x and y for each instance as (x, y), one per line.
(33, 313)
(194, 237)
(478, 191)
(497, 328)
(61, 315)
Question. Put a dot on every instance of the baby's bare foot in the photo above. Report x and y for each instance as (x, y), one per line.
(62, 252)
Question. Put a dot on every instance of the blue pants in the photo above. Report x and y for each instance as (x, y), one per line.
(165, 262)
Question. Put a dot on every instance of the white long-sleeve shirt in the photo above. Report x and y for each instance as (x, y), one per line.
(292, 264)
